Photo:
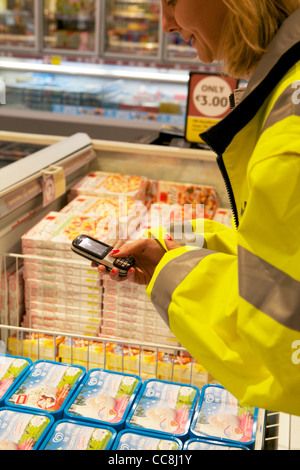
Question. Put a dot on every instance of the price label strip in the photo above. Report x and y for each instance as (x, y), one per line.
(208, 103)
(54, 184)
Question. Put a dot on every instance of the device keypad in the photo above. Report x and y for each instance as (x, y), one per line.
(124, 263)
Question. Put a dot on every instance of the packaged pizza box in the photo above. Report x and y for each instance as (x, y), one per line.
(30, 321)
(16, 287)
(22, 429)
(115, 310)
(104, 208)
(57, 230)
(62, 279)
(138, 322)
(11, 370)
(45, 285)
(137, 327)
(139, 337)
(119, 293)
(189, 194)
(111, 185)
(127, 302)
(104, 397)
(52, 289)
(163, 214)
(65, 317)
(52, 270)
(46, 386)
(52, 254)
(83, 302)
(139, 440)
(92, 310)
(124, 289)
(132, 316)
(220, 417)
(67, 434)
(90, 303)
(164, 408)
(12, 294)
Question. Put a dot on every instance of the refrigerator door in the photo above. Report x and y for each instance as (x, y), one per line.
(132, 29)
(17, 24)
(177, 50)
(70, 26)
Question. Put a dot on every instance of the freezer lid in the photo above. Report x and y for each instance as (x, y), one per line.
(35, 163)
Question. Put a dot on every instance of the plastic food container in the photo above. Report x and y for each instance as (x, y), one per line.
(164, 407)
(104, 397)
(22, 430)
(71, 435)
(46, 386)
(204, 444)
(139, 440)
(221, 418)
(12, 369)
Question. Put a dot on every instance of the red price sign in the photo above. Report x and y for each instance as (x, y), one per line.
(208, 103)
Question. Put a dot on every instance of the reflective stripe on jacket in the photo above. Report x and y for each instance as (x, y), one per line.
(235, 304)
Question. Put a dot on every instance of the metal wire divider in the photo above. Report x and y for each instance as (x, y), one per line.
(38, 352)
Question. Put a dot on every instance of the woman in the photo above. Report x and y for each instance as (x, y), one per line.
(235, 303)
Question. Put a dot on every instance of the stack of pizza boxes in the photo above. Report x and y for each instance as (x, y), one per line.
(62, 291)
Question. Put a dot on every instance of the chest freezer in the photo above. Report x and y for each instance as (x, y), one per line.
(23, 203)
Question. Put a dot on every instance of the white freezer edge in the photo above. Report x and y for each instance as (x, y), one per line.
(38, 161)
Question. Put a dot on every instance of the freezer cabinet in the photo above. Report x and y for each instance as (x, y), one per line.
(275, 430)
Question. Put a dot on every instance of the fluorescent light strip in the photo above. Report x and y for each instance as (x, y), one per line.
(95, 72)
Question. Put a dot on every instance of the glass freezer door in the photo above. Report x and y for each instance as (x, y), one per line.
(178, 49)
(132, 28)
(17, 24)
(69, 25)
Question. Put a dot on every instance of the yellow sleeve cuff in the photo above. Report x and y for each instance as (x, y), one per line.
(168, 256)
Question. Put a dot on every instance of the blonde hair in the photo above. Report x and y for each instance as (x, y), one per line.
(249, 29)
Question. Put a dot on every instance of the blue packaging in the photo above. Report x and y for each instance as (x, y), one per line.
(204, 444)
(68, 434)
(164, 407)
(12, 369)
(220, 417)
(139, 440)
(46, 386)
(104, 397)
(23, 430)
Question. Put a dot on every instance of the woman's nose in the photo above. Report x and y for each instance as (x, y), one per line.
(169, 24)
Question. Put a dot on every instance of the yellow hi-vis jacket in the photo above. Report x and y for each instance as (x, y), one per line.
(235, 303)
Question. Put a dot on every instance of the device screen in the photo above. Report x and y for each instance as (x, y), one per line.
(92, 246)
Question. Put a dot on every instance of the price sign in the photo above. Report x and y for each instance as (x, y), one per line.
(208, 103)
(54, 184)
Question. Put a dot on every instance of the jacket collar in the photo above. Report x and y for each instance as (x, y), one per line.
(282, 54)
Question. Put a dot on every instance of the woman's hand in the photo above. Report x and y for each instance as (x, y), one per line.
(147, 253)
